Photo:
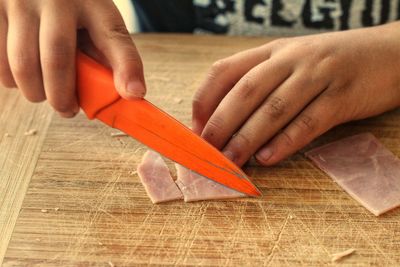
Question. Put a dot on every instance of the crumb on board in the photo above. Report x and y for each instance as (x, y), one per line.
(118, 134)
(133, 172)
(100, 243)
(38, 239)
(338, 256)
(57, 209)
(111, 264)
(43, 210)
(31, 132)
(178, 100)
(290, 217)
(7, 135)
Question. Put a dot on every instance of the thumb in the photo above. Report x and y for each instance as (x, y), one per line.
(111, 39)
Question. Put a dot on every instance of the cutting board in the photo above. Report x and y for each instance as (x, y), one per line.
(70, 195)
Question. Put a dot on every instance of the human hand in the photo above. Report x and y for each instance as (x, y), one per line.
(273, 100)
(38, 41)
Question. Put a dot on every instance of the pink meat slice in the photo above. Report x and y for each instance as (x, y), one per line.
(196, 187)
(364, 168)
(156, 179)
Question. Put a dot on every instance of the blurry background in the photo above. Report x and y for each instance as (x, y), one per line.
(127, 11)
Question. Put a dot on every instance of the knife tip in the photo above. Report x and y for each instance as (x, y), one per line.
(256, 193)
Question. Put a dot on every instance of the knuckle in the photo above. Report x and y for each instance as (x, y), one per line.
(127, 63)
(239, 143)
(274, 107)
(327, 62)
(216, 70)
(333, 93)
(214, 125)
(213, 129)
(307, 124)
(287, 138)
(117, 31)
(278, 42)
(246, 87)
(59, 55)
(219, 67)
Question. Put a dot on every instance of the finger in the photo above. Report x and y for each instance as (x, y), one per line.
(280, 107)
(87, 46)
(6, 78)
(243, 99)
(23, 52)
(57, 51)
(321, 115)
(224, 74)
(109, 34)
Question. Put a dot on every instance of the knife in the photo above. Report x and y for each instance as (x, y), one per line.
(153, 127)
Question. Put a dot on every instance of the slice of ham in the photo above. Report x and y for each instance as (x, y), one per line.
(364, 168)
(196, 187)
(156, 178)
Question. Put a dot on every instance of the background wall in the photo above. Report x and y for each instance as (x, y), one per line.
(128, 13)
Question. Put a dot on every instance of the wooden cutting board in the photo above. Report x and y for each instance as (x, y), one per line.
(70, 196)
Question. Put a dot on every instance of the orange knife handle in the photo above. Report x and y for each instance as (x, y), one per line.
(95, 85)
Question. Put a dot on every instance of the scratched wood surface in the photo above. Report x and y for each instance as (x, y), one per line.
(85, 206)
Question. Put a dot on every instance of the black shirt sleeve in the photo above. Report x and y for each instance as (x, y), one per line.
(165, 16)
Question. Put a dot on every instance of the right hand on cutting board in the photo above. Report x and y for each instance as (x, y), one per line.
(38, 42)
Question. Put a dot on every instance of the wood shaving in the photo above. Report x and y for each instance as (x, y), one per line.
(138, 150)
(158, 78)
(31, 132)
(44, 210)
(119, 134)
(111, 264)
(338, 256)
(178, 100)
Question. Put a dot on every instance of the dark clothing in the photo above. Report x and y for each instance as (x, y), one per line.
(165, 15)
(261, 17)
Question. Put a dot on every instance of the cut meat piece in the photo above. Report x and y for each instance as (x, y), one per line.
(156, 178)
(363, 167)
(196, 187)
(160, 186)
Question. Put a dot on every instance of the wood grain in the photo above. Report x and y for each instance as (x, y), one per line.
(18, 155)
(104, 215)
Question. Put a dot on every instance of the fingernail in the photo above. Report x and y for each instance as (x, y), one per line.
(76, 109)
(69, 114)
(135, 89)
(264, 154)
